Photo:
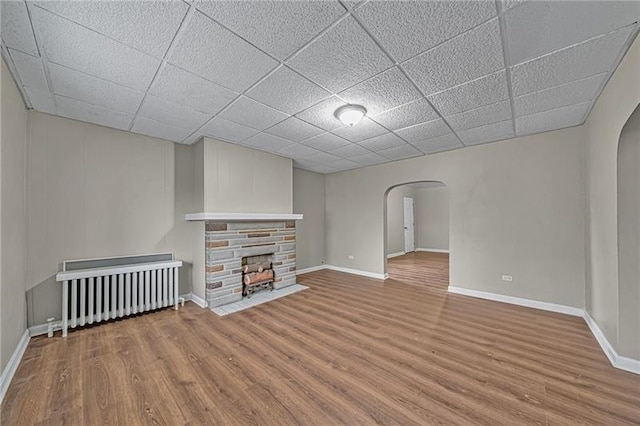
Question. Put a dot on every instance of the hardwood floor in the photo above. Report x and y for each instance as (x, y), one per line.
(349, 350)
(427, 269)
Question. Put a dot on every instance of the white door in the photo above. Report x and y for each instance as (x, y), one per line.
(409, 235)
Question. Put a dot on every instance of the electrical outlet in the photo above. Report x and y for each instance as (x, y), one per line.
(507, 278)
(351, 257)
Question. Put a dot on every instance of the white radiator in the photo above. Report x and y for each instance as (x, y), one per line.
(92, 292)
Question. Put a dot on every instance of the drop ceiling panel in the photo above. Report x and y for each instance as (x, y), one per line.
(73, 46)
(476, 53)
(215, 53)
(343, 164)
(488, 133)
(92, 90)
(277, 27)
(228, 130)
(400, 152)
(153, 128)
(323, 158)
(539, 27)
(439, 144)
(40, 101)
(15, 27)
(583, 60)
(326, 142)
(172, 114)
(185, 88)
(418, 111)
(30, 71)
(253, 114)
(350, 151)
(288, 91)
(323, 114)
(407, 28)
(267, 142)
(386, 141)
(148, 26)
(298, 151)
(342, 57)
(488, 114)
(369, 159)
(365, 129)
(77, 110)
(555, 97)
(294, 129)
(571, 115)
(474, 94)
(381, 93)
(424, 131)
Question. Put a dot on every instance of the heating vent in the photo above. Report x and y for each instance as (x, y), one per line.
(98, 290)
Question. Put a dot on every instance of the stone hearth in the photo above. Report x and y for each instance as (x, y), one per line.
(226, 243)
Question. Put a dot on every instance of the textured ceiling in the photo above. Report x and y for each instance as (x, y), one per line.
(433, 75)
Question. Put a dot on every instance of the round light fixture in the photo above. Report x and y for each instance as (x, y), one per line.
(351, 114)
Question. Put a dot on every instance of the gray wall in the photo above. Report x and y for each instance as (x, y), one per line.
(432, 218)
(516, 208)
(308, 199)
(395, 217)
(13, 247)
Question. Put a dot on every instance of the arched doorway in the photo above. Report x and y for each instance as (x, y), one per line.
(416, 234)
(629, 237)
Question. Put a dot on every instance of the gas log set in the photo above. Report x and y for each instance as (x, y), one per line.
(257, 274)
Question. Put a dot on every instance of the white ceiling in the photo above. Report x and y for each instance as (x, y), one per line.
(433, 75)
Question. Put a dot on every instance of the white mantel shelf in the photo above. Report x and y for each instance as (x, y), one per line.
(241, 217)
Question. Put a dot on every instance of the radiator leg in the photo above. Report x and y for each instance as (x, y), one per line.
(65, 307)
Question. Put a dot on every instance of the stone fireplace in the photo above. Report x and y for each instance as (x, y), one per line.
(227, 243)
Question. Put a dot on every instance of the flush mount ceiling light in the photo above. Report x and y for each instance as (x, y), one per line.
(350, 114)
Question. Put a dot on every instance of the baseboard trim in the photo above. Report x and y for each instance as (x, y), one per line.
(357, 272)
(311, 269)
(618, 361)
(433, 250)
(14, 362)
(545, 306)
(38, 330)
(195, 299)
(396, 254)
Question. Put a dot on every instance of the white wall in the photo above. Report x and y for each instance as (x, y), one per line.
(13, 146)
(432, 218)
(516, 208)
(395, 217)
(308, 199)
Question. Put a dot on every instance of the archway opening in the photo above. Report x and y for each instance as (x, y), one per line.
(416, 234)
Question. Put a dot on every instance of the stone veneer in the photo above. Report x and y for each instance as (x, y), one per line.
(227, 243)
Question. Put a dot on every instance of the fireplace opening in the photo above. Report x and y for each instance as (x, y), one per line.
(257, 274)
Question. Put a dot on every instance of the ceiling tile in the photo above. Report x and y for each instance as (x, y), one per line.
(193, 138)
(407, 28)
(15, 27)
(323, 158)
(407, 115)
(488, 133)
(369, 159)
(365, 129)
(83, 87)
(267, 142)
(343, 164)
(146, 25)
(555, 97)
(294, 129)
(288, 91)
(424, 131)
(326, 142)
(215, 53)
(539, 27)
(474, 94)
(298, 151)
(253, 114)
(471, 55)
(76, 47)
(583, 60)
(381, 142)
(441, 143)
(277, 27)
(349, 151)
(159, 130)
(30, 71)
(40, 101)
(77, 110)
(172, 114)
(228, 130)
(381, 93)
(188, 89)
(400, 152)
(314, 167)
(323, 114)
(568, 116)
(478, 117)
(342, 57)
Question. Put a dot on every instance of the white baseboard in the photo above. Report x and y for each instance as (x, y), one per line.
(38, 330)
(618, 361)
(545, 306)
(357, 272)
(311, 269)
(195, 299)
(396, 254)
(12, 365)
(433, 250)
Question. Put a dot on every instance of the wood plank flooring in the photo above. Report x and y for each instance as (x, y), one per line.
(426, 269)
(349, 350)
